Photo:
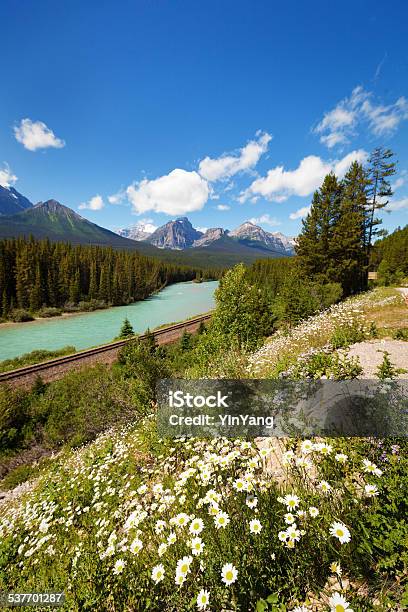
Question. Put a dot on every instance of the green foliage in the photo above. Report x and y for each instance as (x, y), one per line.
(34, 357)
(326, 364)
(76, 408)
(19, 315)
(335, 242)
(242, 318)
(186, 341)
(86, 498)
(390, 257)
(400, 334)
(243, 314)
(140, 362)
(379, 170)
(14, 417)
(49, 311)
(387, 370)
(345, 335)
(126, 330)
(316, 244)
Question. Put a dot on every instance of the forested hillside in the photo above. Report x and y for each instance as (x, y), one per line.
(38, 273)
(390, 257)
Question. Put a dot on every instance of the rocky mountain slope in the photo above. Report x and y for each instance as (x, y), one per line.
(12, 202)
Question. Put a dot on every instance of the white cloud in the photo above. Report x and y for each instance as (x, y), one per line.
(385, 119)
(301, 212)
(176, 193)
(400, 181)
(266, 219)
(117, 198)
(398, 204)
(36, 135)
(95, 203)
(202, 229)
(7, 178)
(223, 207)
(279, 184)
(227, 165)
(340, 124)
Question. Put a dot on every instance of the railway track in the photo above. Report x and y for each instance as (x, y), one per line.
(106, 353)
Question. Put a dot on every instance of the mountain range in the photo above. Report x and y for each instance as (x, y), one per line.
(176, 241)
(180, 234)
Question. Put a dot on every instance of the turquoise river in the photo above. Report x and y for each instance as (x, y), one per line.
(174, 303)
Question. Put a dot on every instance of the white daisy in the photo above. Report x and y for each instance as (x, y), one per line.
(158, 573)
(371, 490)
(197, 546)
(341, 457)
(183, 565)
(196, 526)
(229, 573)
(221, 520)
(203, 599)
(136, 546)
(119, 566)
(335, 568)
(291, 501)
(338, 603)
(324, 486)
(255, 526)
(371, 468)
(341, 532)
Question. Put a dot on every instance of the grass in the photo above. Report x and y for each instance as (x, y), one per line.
(34, 357)
(395, 316)
(341, 325)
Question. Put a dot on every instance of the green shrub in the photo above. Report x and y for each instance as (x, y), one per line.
(19, 315)
(323, 364)
(49, 311)
(400, 334)
(346, 335)
(14, 416)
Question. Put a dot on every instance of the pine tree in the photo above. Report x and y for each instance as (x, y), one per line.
(315, 247)
(22, 279)
(126, 330)
(93, 282)
(36, 293)
(185, 341)
(379, 189)
(75, 288)
(349, 231)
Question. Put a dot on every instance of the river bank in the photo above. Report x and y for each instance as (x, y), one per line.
(85, 329)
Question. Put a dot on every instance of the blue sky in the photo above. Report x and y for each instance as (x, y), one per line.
(221, 111)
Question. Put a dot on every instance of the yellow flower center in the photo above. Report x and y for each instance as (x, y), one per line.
(229, 575)
(340, 608)
(339, 532)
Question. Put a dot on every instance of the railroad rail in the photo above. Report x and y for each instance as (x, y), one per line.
(106, 353)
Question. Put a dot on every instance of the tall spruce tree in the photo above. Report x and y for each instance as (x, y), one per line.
(315, 246)
(349, 231)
